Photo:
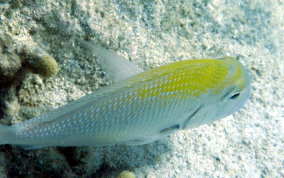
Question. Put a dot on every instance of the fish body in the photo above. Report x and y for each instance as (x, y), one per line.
(142, 108)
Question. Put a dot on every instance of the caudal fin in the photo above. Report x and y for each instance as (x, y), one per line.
(4, 132)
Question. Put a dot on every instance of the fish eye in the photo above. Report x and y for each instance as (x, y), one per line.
(235, 96)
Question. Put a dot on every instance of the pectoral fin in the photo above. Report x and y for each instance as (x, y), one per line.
(169, 130)
(190, 122)
(116, 67)
(160, 135)
(31, 147)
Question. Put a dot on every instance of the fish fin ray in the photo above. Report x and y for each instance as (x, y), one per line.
(162, 134)
(116, 67)
(167, 131)
(31, 147)
(188, 122)
(4, 134)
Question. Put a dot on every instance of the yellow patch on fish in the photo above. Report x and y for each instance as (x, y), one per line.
(190, 77)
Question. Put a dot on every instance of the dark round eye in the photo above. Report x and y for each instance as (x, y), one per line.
(235, 96)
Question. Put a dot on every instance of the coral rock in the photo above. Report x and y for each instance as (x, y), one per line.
(10, 62)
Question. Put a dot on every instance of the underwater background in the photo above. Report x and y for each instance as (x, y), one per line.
(42, 67)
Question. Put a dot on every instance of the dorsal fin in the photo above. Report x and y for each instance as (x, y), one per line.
(116, 67)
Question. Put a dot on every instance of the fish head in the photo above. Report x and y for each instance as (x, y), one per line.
(229, 93)
(234, 91)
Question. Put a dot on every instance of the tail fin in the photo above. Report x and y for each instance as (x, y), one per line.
(116, 67)
(4, 132)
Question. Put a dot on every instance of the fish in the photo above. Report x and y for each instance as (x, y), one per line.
(139, 107)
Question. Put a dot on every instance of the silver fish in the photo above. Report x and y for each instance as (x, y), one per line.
(140, 107)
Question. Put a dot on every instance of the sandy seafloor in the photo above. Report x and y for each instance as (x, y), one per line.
(149, 33)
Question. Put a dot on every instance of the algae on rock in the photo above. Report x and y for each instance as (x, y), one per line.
(16, 60)
(10, 62)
